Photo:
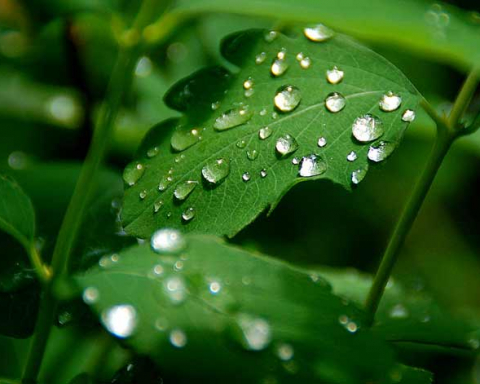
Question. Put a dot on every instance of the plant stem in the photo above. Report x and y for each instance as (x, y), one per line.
(43, 271)
(463, 99)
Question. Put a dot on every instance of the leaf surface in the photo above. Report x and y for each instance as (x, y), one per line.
(233, 174)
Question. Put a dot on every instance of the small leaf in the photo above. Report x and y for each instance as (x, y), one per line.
(318, 127)
(231, 314)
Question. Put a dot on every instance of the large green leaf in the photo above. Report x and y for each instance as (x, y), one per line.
(213, 312)
(258, 174)
(431, 29)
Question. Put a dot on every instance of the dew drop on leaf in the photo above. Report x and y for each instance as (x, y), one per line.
(246, 177)
(286, 145)
(305, 63)
(233, 118)
(188, 214)
(335, 102)
(183, 139)
(133, 172)
(252, 154)
(175, 289)
(318, 33)
(270, 36)
(296, 161)
(90, 295)
(152, 152)
(215, 171)
(248, 84)
(165, 181)
(120, 320)
(183, 190)
(300, 56)
(167, 241)
(255, 332)
(263, 173)
(322, 142)
(312, 165)
(215, 105)
(285, 352)
(334, 75)
(367, 128)
(241, 144)
(358, 175)
(287, 98)
(214, 287)
(398, 312)
(178, 338)
(390, 102)
(279, 67)
(408, 116)
(142, 194)
(157, 205)
(352, 156)
(380, 151)
(260, 58)
(264, 133)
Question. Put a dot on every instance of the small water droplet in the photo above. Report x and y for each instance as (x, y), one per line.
(279, 67)
(152, 152)
(188, 214)
(270, 36)
(133, 172)
(249, 92)
(380, 151)
(286, 145)
(256, 333)
(178, 266)
(367, 128)
(318, 33)
(165, 181)
(398, 312)
(358, 175)
(352, 327)
(158, 270)
(178, 338)
(305, 63)
(260, 58)
(216, 171)
(287, 98)
(265, 133)
(390, 102)
(322, 142)
(334, 75)
(285, 352)
(408, 116)
(142, 194)
(215, 105)
(175, 289)
(282, 54)
(263, 112)
(300, 56)
(120, 320)
(248, 84)
(252, 154)
(183, 190)
(143, 67)
(296, 161)
(157, 205)
(241, 144)
(343, 319)
(246, 177)
(335, 102)
(183, 138)
(312, 165)
(168, 241)
(274, 115)
(90, 295)
(352, 156)
(214, 287)
(263, 173)
(233, 118)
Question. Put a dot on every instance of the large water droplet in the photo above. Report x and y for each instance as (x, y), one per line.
(408, 116)
(215, 171)
(358, 175)
(178, 338)
(285, 352)
(390, 102)
(334, 75)
(367, 128)
(287, 98)
(175, 289)
(352, 156)
(312, 165)
(335, 102)
(120, 320)
(260, 58)
(380, 151)
(265, 133)
(133, 172)
(286, 145)
(252, 154)
(183, 138)
(233, 118)
(188, 214)
(279, 67)
(168, 241)
(183, 190)
(256, 333)
(322, 142)
(318, 33)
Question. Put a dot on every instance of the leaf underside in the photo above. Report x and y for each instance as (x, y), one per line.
(227, 207)
(299, 309)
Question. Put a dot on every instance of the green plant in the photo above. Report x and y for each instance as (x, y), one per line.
(139, 286)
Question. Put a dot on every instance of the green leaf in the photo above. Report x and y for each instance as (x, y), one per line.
(431, 29)
(83, 378)
(232, 314)
(226, 202)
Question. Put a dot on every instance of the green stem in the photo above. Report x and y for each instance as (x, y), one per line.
(463, 99)
(42, 270)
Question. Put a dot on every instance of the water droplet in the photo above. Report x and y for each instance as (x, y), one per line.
(164, 183)
(215, 105)
(285, 352)
(120, 320)
(408, 116)
(143, 67)
(380, 151)
(183, 139)
(178, 266)
(142, 194)
(252, 154)
(343, 319)
(175, 289)
(398, 312)
(158, 270)
(279, 67)
(322, 142)
(305, 63)
(264, 133)
(183, 190)
(256, 333)
(233, 118)
(270, 36)
(296, 161)
(287, 98)
(300, 56)
(263, 173)
(214, 287)
(318, 33)
(188, 214)
(352, 327)
(286, 145)
(248, 84)
(249, 92)
(335, 102)
(352, 156)
(133, 172)
(241, 144)
(216, 171)
(334, 75)
(390, 102)
(358, 175)
(312, 165)
(263, 112)
(168, 241)
(367, 128)
(178, 338)
(152, 152)
(260, 58)
(274, 115)
(246, 177)
(282, 54)
(161, 324)
(157, 205)
(90, 295)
